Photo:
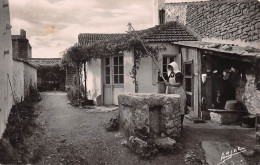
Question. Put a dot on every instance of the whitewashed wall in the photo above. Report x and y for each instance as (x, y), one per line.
(18, 80)
(5, 64)
(30, 77)
(147, 75)
(129, 86)
(94, 78)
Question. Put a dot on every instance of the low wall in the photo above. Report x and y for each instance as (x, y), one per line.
(24, 75)
(30, 78)
(151, 114)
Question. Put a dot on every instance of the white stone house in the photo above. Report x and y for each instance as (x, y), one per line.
(110, 76)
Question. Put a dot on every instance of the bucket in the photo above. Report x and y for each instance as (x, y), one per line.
(161, 87)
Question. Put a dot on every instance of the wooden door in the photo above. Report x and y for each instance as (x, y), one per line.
(113, 79)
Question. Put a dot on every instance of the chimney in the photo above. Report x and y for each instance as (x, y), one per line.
(157, 6)
(129, 27)
(23, 33)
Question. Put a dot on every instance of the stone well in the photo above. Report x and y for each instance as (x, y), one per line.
(151, 114)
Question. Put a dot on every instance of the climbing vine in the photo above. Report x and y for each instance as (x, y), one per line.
(129, 42)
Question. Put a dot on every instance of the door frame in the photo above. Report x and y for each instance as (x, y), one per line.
(191, 93)
(103, 79)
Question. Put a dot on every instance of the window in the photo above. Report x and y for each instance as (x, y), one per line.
(162, 16)
(107, 71)
(118, 70)
(167, 60)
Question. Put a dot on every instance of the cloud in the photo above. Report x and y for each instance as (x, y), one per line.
(54, 25)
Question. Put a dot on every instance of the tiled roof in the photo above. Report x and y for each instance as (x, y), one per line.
(88, 38)
(27, 62)
(45, 61)
(172, 34)
(238, 52)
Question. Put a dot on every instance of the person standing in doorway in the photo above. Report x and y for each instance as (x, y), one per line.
(175, 86)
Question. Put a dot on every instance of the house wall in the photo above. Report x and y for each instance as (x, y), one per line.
(18, 80)
(94, 79)
(129, 86)
(5, 65)
(30, 78)
(147, 74)
(232, 21)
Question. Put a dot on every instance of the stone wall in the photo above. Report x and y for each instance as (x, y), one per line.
(247, 94)
(5, 64)
(151, 114)
(21, 46)
(224, 20)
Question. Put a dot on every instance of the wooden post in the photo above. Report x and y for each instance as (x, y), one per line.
(85, 75)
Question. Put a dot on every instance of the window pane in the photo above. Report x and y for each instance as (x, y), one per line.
(121, 79)
(107, 61)
(121, 60)
(115, 69)
(164, 60)
(115, 79)
(187, 69)
(115, 60)
(121, 70)
(107, 79)
(107, 70)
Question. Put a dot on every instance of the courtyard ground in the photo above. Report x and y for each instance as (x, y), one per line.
(69, 135)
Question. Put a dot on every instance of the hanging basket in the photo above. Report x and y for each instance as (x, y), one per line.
(161, 87)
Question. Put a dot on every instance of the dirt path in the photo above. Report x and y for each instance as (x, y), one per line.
(74, 136)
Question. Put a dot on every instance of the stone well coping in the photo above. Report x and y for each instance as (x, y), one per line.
(152, 99)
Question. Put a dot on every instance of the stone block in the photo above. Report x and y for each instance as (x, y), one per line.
(247, 29)
(152, 114)
(165, 143)
(257, 25)
(258, 137)
(139, 147)
(257, 148)
(225, 117)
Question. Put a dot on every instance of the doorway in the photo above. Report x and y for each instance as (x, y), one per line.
(113, 79)
(188, 84)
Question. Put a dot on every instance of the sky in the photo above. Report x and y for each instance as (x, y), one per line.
(54, 25)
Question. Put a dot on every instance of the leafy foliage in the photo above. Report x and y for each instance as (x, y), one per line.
(129, 42)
